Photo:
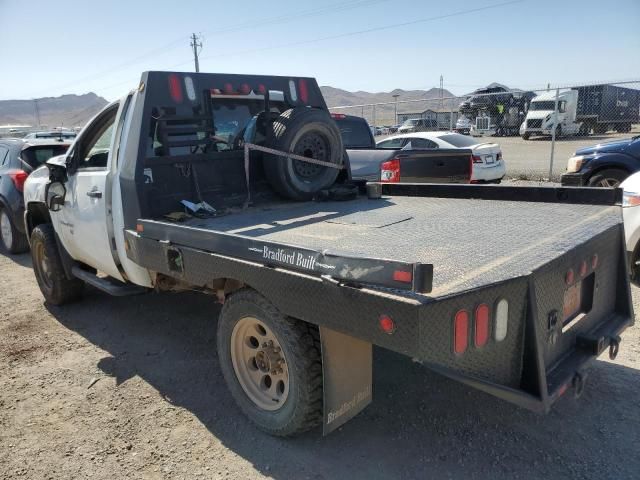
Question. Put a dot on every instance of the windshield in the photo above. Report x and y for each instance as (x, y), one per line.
(411, 122)
(543, 105)
(457, 140)
(36, 156)
(355, 134)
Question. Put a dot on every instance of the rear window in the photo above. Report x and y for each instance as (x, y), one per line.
(36, 156)
(460, 141)
(355, 133)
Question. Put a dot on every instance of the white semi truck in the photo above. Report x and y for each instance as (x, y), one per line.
(582, 110)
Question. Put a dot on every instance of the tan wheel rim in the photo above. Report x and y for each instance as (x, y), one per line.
(259, 364)
(42, 267)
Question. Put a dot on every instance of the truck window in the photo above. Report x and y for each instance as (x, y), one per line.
(354, 133)
(234, 115)
(543, 105)
(94, 150)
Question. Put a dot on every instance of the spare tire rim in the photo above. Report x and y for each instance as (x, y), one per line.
(5, 229)
(311, 145)
(259, 363)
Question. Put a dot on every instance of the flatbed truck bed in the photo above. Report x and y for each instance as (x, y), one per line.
(482, 250)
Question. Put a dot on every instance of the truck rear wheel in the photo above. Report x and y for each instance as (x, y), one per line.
(310, 133)
(271, 364)
(56, 288)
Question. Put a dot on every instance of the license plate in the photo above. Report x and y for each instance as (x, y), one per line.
(488, 159)
(572, 301)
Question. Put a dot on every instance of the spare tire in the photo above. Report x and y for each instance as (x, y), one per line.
(310, 133)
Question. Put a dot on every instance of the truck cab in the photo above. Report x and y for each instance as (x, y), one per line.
(542, 118)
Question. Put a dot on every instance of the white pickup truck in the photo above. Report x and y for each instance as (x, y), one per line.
(201, 182)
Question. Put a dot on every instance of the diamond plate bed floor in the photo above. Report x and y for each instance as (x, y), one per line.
(469, 242)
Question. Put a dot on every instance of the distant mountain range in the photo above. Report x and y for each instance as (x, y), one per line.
(67, 110)
(436, 99)
(76, 110)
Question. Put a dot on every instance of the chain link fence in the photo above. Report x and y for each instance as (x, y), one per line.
(538, 130)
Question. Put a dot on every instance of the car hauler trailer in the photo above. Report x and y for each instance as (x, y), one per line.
(510, 290)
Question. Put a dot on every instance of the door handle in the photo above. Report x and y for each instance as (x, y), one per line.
(94, 194)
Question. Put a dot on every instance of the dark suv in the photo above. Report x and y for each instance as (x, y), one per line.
(18, 158)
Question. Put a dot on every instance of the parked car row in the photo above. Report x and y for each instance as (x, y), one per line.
(435, 156)
(18, 158)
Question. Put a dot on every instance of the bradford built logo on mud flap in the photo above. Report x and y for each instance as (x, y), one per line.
(349, 405)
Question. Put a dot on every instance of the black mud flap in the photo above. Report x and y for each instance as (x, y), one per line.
(347, 377)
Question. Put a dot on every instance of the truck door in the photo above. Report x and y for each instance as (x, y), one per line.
(85, 221)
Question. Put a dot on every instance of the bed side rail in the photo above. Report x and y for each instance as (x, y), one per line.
(569, 195)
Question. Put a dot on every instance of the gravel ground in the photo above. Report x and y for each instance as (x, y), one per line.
(130, 388)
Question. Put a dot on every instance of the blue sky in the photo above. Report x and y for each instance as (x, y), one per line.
(73, 46)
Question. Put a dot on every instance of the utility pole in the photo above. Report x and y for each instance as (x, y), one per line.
(35, 103)
(441, 100)
(395, 108)
(195, 44)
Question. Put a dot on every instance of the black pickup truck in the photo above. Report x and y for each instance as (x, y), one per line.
(406, 165)
(511, 290)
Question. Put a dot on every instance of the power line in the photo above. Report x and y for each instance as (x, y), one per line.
(362, 32)
(337, 36)
(335, 7)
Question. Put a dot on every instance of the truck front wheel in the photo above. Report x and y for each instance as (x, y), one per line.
(609, 178)
(56, 288)
(526, 136)
(271, 364)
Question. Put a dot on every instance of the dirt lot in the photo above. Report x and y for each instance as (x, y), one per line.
(130, 388)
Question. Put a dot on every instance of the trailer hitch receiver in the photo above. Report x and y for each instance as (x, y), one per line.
(614, 347)
(578, 383)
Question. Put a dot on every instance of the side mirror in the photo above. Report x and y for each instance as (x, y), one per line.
(55, 193)
(57, 169)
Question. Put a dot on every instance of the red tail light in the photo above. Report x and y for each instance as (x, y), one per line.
(387, 325)
(227, 89)
(245, 89)
(338, 116)
(18, 177)
(461, 332)
(262, 89)
(390, 171)
(583, 268)
(476, 159)
(303, 91)
(175, 88)
(403, 276)
(482, 325)
(569, 277)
